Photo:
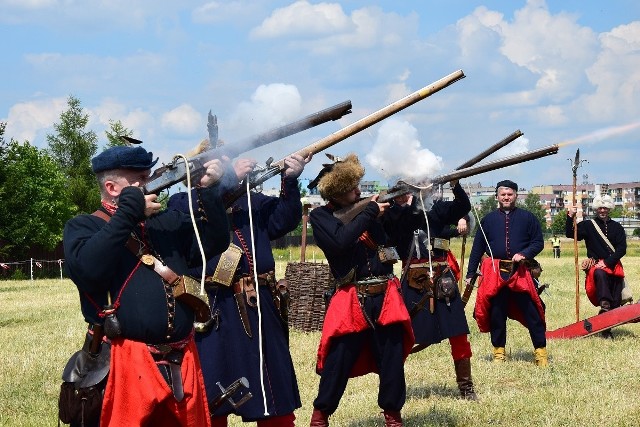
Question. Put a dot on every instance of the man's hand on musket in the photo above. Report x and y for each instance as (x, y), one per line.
(518, 258)
(381, 206)
(295, 164)
(403, 199)
(463, 227)
(213, 172)
(243, 167)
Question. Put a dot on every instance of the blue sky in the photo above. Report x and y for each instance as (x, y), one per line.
(556, 70)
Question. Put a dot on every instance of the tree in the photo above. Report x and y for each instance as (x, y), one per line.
(35, 199)
(558, 223)
(72, 148)
(532, 204)
(116, 130)
(487, 205)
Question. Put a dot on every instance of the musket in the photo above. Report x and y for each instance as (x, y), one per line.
(239, 385)
(469, 289)
(347, 214)
(274, 168)
(175, 172)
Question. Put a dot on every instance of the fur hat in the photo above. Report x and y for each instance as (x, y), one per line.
(340, 177)
(602, 202)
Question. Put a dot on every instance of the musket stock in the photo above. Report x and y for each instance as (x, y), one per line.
(175, 172)
(274, 168)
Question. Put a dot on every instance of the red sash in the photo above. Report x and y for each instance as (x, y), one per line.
(344, 316)
(590, 284)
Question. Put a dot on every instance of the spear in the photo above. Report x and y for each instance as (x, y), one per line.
(574, 168)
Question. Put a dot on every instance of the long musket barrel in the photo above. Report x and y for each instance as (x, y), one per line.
(275, 168)
(489, 151)
(347, 214)
(168, 175)
(377, 116)
(497, 164)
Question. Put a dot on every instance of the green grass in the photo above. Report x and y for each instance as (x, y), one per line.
(589, 382)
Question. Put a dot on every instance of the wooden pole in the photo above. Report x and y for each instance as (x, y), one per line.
(303, 244)
(574, 168)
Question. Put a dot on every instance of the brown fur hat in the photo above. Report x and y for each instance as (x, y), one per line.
(343, 177)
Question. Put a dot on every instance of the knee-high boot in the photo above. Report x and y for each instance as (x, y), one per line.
(463, 378)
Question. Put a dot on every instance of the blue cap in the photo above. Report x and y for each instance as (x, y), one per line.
(123, 157)
(507, 183)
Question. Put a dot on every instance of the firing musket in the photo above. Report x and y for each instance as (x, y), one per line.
(175, 172)
(272, 169)
(347, 214)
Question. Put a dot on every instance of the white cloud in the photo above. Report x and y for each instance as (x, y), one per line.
(616, 76)
(324, 28)
(183, 120)
(32, 120)
(221, 11)
(304, 19)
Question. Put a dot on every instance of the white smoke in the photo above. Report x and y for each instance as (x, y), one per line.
(397, 152)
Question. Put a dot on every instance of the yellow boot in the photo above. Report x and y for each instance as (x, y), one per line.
(498, 355)
(540, 357)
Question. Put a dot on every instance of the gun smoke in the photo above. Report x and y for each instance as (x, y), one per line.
(397, 152)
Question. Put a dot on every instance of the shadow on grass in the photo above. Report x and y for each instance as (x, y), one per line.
(424, 392)
(433, 417)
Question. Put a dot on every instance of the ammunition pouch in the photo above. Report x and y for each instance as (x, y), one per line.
(388, 255)
(446, 288)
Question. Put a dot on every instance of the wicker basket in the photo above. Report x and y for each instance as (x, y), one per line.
(308, 282)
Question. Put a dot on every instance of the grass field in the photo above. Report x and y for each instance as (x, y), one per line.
(589, 382)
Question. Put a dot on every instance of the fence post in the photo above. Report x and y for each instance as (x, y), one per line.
(31, 263)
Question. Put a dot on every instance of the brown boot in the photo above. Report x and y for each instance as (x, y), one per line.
(392, 419)
(319, 419)
(463, 378)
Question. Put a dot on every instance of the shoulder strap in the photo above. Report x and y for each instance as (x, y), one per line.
(141, 251)
(599, 230)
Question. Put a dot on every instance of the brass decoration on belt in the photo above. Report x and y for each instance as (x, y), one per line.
(147, 259)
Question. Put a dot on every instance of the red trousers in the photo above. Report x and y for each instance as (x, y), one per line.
(138, 395)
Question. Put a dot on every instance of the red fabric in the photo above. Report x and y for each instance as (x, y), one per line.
(137, 393)
(460, 347)
(453, 265)
(590, 284)
(491, 283)
(280, 421)
(345, 316)
(219, 421)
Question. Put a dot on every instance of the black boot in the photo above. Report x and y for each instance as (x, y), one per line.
(463, 378)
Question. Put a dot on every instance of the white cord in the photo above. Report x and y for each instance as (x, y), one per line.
(483, 233)
(193, 222)
(257, 285)
(426, 220)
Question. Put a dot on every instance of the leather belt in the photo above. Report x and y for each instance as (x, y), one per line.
(372, 285)
(505, 265)
(171, 359)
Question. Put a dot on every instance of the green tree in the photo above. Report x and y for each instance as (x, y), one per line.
(116, 130)
(72, 148)
(532, 204)
(35, 199)
(487, 205)
(616, 212)
(558, 223)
